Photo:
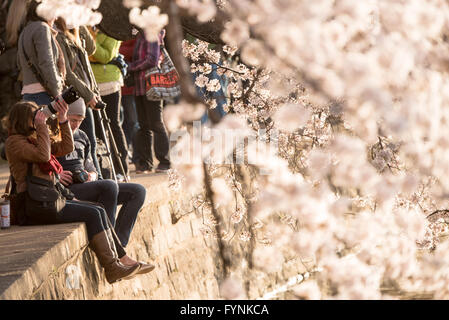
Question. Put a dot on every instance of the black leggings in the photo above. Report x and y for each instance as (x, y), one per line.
(113, 112)
(94, 216)
(149, 115)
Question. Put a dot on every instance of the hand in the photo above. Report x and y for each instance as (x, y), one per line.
(159, 63)
(92, 103)
(98, 103)
(61, 107)
(40, 118)
(66, 178)
(92, 176)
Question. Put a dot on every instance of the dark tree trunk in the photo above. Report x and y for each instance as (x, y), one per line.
(116, 23)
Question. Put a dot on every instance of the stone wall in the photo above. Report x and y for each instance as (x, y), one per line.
(186, 263)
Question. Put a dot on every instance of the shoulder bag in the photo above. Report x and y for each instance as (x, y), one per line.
(43, 200)
(162, 82)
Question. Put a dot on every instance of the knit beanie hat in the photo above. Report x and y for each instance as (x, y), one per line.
(77, 108)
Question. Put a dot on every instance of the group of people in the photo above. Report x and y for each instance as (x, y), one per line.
(52, 56)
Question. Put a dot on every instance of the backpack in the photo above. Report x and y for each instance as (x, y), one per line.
(104, 160)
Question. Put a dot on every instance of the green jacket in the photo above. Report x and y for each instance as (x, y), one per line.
(107, 49)
(77, 64)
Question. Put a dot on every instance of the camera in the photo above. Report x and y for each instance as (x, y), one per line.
(80, 176)
(69, 95)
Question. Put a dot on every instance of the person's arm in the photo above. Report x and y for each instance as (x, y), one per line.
(127, 49)
(66, 145)
(89, 41)
(152, 54)
(107, 48)
(24, 150)
(46, 64)
(71, 78)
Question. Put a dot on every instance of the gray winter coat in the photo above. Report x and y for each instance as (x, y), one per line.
(40, 46)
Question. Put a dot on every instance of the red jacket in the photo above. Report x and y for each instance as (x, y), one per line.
(127, 49)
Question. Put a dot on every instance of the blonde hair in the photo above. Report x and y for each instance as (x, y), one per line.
(72, 34)
(15, 20)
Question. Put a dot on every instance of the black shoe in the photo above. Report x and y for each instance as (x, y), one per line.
(162, 169)
(142, 169)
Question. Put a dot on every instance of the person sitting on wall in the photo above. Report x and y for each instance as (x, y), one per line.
(31, 150)
(80, 176)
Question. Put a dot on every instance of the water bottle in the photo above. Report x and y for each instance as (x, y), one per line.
(5, 214)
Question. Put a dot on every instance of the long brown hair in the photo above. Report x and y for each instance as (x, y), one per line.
(18, 120)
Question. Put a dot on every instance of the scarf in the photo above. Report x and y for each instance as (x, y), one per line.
(50, 167)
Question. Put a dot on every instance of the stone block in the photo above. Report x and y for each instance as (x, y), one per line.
(164, 215)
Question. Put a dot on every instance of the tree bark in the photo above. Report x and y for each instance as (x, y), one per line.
(116, 23)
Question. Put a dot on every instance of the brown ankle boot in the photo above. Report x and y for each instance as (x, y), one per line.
(107, 256)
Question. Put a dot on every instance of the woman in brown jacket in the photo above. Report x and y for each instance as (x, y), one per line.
(29, 142)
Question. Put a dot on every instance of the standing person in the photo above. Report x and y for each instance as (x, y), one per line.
(40, 59)
(77, 44)
(29, 147)
(130, 124)
(110, 81)
(149, 113)
(15, 17)
(15, 21)
(130, 196)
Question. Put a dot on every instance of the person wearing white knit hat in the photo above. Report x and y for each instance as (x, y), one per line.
(80, 176)
(77, 108)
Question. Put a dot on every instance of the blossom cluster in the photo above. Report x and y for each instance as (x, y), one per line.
(359, 94)
(357, 145)
(75, 12)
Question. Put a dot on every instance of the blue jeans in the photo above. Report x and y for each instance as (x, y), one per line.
(110, 194)
(41, 98)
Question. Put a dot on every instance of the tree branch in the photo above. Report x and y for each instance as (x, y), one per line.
(174, 39)
(217, 217)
